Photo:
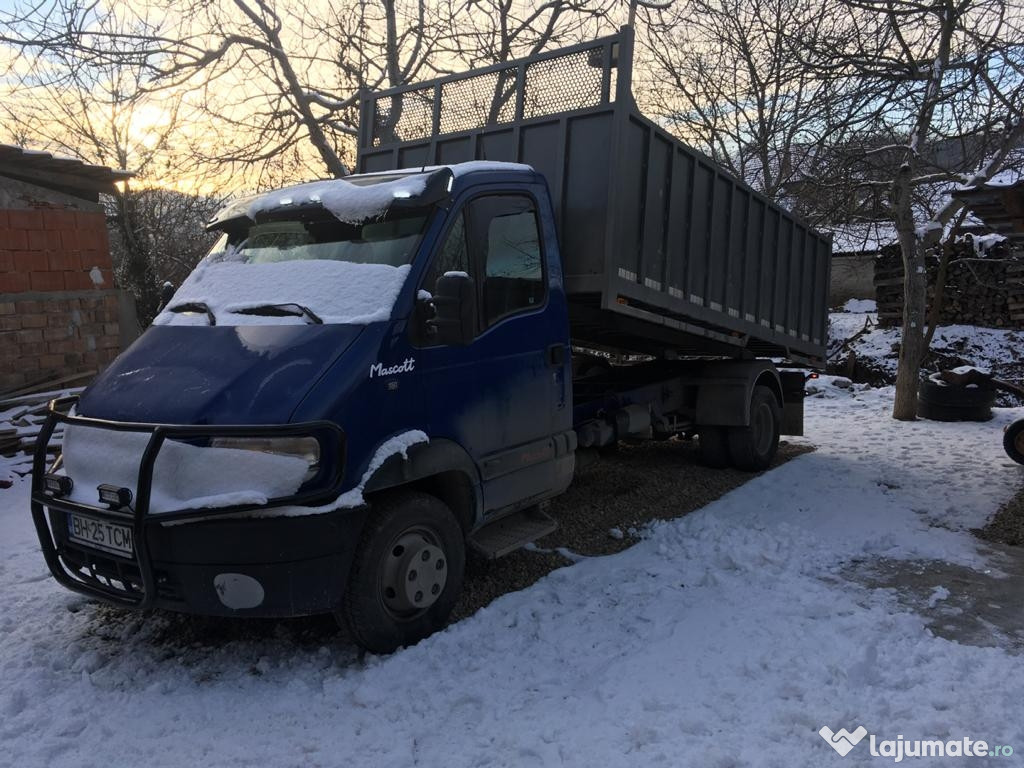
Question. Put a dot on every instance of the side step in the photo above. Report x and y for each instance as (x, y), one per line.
(511, 532)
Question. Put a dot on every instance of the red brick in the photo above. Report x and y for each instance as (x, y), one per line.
(29, 363)
(69, 240)
(7, 308)
(107, 342)
(51, 361)
(90, 220)
(52, 239)
(47, 281)
(33, 321)
(56, 306)
(10, 323)
(96, 258)
(4, 221)
(112, 329)
(35, 336)
(13, 282)
(22, 219)
(6, 261)
(14, 239)
(59, 219)
(77, 281)
(36, 240)
(27, 261)
(59, 320)
(54, 334)
(28, 307)
(9, 381)
(64, 261)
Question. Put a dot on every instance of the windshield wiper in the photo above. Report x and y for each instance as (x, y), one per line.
(195, 306)
(282, 310)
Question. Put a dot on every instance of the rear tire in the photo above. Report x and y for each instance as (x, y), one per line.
(753, 448)
(714, 447)
(1013, 441)
(407, 573)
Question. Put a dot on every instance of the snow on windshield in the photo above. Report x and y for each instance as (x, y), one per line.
(338, 292)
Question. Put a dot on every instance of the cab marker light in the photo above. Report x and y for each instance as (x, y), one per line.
(57, 485)
(114, 496)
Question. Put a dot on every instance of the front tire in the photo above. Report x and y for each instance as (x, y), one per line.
(1013, 441)
(407, 573)
(753, 448)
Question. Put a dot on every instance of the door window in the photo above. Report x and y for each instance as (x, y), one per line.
(508, 239)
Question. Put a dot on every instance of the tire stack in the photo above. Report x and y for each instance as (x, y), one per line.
(941, 401)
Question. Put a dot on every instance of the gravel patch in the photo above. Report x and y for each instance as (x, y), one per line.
(1007, 525)
(604, 511)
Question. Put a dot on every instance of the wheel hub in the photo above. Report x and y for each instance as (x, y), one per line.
(415, 573)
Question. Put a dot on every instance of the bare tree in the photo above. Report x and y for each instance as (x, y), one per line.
(725, 76)
(98, 109)
(956, 68)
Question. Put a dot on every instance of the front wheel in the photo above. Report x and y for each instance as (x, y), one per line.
(753, 448)
(407, 573)
(1013, 441)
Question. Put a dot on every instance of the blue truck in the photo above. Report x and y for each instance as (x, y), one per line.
(368, 378)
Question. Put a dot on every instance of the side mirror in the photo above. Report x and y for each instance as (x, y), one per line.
(454, 320)
(166, 294)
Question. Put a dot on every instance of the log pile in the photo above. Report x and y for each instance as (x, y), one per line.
(985, 289)
(21, 420)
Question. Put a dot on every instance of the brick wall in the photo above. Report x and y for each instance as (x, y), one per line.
(59, 309)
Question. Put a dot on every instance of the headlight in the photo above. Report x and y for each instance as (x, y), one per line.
(305, 448)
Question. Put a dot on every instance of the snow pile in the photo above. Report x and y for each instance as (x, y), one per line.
(337, 291)
(184, 476)
(990, 349)
(726, 638)
(860, 306)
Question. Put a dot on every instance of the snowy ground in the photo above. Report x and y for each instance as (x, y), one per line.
(726, 638)
(994, 349)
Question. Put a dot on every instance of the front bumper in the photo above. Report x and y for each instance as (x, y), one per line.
(203, 561)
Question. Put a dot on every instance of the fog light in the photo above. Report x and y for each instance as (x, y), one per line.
(114, 497)
(57, 485)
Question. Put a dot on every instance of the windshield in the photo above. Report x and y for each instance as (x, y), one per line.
(392, 241)
(310, 269)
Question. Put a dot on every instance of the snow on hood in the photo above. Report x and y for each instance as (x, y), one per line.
(338, 292)
(184, 476)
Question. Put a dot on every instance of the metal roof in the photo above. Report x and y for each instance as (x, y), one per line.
(65, 174)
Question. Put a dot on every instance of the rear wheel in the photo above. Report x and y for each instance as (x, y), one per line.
(1013, 441)
(753, 448)
(714, 446)
(407, 573)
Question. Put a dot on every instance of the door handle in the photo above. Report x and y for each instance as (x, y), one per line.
(556, 355)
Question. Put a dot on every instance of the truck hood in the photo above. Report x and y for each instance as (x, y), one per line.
(254, 374)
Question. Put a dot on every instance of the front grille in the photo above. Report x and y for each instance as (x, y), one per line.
(114, 574)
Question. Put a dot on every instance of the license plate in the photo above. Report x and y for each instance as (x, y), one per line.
(100, 534)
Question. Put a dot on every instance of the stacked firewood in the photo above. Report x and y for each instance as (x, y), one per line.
(984, 287)
(21, 420)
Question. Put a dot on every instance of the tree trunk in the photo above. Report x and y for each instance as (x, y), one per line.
(915, 297)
